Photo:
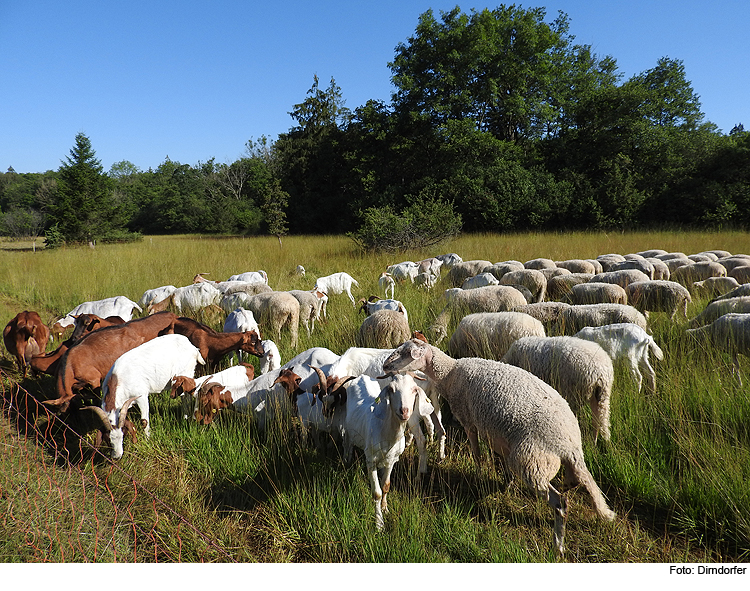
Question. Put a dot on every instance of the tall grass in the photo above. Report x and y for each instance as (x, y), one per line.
(676, 470)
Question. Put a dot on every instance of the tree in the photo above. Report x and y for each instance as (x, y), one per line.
(274, 209)
(83, 206)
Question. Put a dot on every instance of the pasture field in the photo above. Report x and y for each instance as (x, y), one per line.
(675, 471)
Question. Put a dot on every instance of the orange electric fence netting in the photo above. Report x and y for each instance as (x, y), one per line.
(63, 501)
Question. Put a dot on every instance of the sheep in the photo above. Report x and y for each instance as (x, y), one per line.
(375, 421)
(659, 296)
(492, 298)
(731, 333)
(740, 273)
(402, 272)
(25, 336)
(386, 283)
(641, 265)
(580, 370)
(277, 309)
(561, 285)
(653, 253)
(374, 304)
(87, 362)
(425, 280)
(480, 280)
(459, 272)
(309, 305)
(490, 334)
(383, 329)
(739, 291)
(692, 272)
(500, 269)
(661, 270)
(214, 346)
(733, 261)
(156, 295)
(596, 293)
(735, 305)
(431, 266)
(337, 283)
(146, 369)
(533, 280)
(271, 358)
(623, 277)
(575, 318)
(577, 266)
(607, 260)
(251, 277)
(629, 342)
(548, 313)
(539, 264)
(524, 419)
(714, 286)
(114, 306)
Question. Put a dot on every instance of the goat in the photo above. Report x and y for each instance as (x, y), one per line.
(215, 345)
(251, 277)
(114, 306)
(241, 320)
(387, 283)
(25, 336)
(373, 304)
(86, 323)
(336, 284)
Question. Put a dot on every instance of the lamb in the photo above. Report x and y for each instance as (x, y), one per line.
(493, 298)
(532, 279)
(277, 309)
(659, 296)
(336, 284)
(375, 421)
(374, 304)
(523, 419)
(580, 370)
(146, 369)
(25, 336)
(114, 306)
(490, 334)
(383, 329)
(629, 342)
(480, 280)
(575, 318)
(386, 283)
(596, 293)
(731, 333)
(87, 362)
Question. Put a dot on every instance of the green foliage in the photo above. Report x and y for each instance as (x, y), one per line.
(426, 222)
(53, 238)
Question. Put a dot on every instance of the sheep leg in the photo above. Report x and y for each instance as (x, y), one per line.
(559, 506)
(473, 437)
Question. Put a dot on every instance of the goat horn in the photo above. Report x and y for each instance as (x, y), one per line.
(321, 377)
(124, 410)
(101, 414)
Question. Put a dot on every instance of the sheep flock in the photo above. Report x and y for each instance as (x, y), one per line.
(524, 354)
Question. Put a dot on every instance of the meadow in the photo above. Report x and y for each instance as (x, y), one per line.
(675, 470)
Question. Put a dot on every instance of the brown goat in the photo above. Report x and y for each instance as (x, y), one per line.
(215, 345)
(86, 323)
(212, 397)
(25, 336)
(87, 362)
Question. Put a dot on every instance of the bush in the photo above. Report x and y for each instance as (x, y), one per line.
(53, 238)
(424, 223)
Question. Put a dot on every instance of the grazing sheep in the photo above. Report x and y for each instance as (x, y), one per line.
(524, 420)
(714, 287)
(533, 280)
(735, 305)
(276, 310)
(575, 318)
(430, 265)
(578, 266)
(641, 265)
(596, 293)
(560, 286)
(481, 280)
(539, 264)
(623, 277)
(460, 272)
(500, 269)
(740, 273)
(548, 313)
(659, 296)
(629, 342)
(737, 292)
(383, 329)
(581, 371)
(661, 270)
(731, 333)
(607, 260)
(309, 308)
(337, 283)
(732, 261)
(692, 272)
(490, 334)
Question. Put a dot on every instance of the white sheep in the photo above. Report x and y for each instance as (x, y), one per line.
(386, 283)
(531, 279)
(581, 371)
(480, 280)
(459, 272)
(309, 308)
(731, 333)
(596, 293)
(146, 369)
(659, 296)
(383, 329)
(714, 287)
(574, 318)
(337, 283)
(375, 420)
(523, 419)
(629, 342)
(277, 310)
(623, 277)
(692, 272)
(503, 267)
(561, 285)
(490, 334)
(719, 307)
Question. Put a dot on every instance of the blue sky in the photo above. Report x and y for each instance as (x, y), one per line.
(195, 80)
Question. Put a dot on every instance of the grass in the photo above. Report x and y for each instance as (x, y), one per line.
(675, 471)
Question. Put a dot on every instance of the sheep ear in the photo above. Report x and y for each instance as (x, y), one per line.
(418, 352)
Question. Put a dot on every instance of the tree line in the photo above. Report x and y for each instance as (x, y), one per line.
(499, 122)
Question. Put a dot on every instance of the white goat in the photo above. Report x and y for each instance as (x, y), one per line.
(147, 369)
(336, 284)
(386, 283)
(373, 305)
(241, 320)
(403, 271)
(271, 359)
(251, 277)
(156, 295)
(628, 341)
(114, 306)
